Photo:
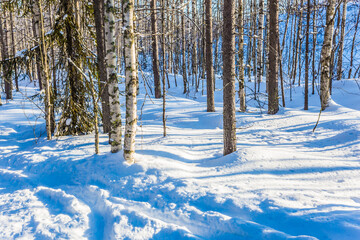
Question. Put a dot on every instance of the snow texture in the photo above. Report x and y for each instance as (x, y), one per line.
(284, 182)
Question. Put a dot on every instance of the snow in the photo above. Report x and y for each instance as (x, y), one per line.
(284, 182)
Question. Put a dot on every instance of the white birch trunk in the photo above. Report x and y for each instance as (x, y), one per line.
(115, 114)
(260, 42)
(326, 55)
(130, 81)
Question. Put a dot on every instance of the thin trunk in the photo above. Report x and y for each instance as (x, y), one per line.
(260, 44)
(14, 50)
(130, 81)
(155, 51)
(183, 52)
(209, 58)
(306, 100)
(326, 55)
(241, 58)
(44, 64)
(5, 55)
(228, 49)
(314, 42)
(113, 88)
(341, 46)
(164, 66)
(353, 43)
(273, 100)
(101, 63)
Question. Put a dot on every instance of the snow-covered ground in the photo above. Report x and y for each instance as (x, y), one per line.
(283, 182)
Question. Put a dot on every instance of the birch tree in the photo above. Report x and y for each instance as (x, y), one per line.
(115, 114)
(326, 55)
(131, 79)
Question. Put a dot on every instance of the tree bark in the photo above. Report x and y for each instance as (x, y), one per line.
(341, 43)
(307, 62)
(5, 55)
(260, 43)
(353, 43)
(44, 67)
(228, 48)
(113, 88)
(209, 58)
(273, 98)
(101, 63)
(130, 81)
(326, 55)
(241, 58)
(155, 51)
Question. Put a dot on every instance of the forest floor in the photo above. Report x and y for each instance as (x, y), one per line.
(284, 181)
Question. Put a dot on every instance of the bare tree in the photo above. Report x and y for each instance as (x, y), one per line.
(155, 51)
(113, 88)
(241, 58)
(273, 99)
(209, 58)
(326, 55)
(228, 49)
(130, 81)
(341, 42)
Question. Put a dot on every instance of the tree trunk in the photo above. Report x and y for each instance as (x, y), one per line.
(341, 45)
(241, 58)
(326, 55)
(164, 65)
(314, 42)
(5, 55)
(130, 81)
(273, 99)
(353, 43)
(209, 58)
(307, 62)
(260, 43)
(36, 33)
(43, 64)
(113, 88)
(183, 52)
(155, 51)
(101, 64)
(228, 48)
(14, 50)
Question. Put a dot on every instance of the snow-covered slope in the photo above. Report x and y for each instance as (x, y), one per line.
(283, 182)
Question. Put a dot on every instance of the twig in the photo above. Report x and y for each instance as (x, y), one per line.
(317, 120)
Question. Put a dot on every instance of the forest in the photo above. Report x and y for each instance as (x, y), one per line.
(179, 119)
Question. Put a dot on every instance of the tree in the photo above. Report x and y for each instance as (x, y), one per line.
(155, 51)
(43, 64)
(75, 118)
(114, 93)
(101, 63)
(241, 58)
(130, 81)
(183, 41)
(273, 99)
(209, 59)
(326, 55)
(341, 42)
(228, 49)
(307, 63)
(5, 55)
(260, 43)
